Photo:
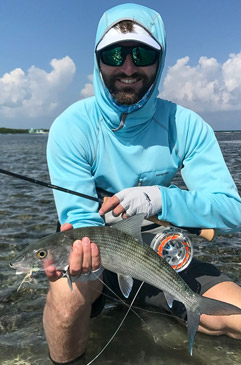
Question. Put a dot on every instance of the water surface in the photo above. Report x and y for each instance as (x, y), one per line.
(27, 212)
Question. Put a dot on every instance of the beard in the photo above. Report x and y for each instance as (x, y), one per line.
(128, 95)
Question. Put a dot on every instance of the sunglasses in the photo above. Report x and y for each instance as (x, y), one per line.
(116, 55)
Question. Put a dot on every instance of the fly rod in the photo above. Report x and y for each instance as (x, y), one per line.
(208, 233)
(51, 186)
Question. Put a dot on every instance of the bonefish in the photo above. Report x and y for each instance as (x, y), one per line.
(123, 252)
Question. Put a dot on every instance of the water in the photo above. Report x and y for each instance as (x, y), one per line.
(27, 212)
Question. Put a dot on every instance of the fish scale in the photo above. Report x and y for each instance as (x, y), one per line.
(113, 254)
(122, 252)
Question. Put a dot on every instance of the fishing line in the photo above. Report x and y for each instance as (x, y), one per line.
(116, 331)
(132, 307)
(121, 301)
(118, 299)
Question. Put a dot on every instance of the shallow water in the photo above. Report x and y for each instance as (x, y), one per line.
(27, 212)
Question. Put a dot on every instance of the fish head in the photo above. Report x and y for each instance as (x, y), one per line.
(41, 254)
(35, 260)
(22, 264)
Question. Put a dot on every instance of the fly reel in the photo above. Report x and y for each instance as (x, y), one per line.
(174, 247)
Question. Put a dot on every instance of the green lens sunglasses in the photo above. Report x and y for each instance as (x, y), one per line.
(141, 55)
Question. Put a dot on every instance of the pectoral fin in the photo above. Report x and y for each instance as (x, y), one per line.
(66, 274)
(125, 284)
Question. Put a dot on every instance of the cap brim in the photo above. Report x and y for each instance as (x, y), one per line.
(122, 37)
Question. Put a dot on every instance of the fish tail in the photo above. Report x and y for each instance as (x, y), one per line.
(206, 306)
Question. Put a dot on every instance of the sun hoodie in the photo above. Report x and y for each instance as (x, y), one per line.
(96, 143)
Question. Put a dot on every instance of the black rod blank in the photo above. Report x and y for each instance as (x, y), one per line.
(51, 186)
(208, 234)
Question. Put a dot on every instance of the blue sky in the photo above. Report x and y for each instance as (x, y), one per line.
(46, 62)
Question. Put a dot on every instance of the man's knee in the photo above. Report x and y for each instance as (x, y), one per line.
(66, 306)
(69, 304)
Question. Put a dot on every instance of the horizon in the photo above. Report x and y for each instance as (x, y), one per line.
(47, 129)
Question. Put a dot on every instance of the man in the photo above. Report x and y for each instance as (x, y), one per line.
(127, 141)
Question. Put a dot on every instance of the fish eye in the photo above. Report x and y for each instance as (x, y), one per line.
(41, 254)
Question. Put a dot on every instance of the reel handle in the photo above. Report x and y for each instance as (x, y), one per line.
(207, 233)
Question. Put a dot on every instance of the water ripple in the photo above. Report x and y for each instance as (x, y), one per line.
(27, 212)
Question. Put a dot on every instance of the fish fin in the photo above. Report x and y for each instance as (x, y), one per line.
(217, 307)
(169, 298)
(131, 225)
(193, 319)
(69, 282)
(125, 284)
(207, 306)
(66, 274)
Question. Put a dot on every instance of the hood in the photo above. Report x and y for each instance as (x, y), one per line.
(143, 112)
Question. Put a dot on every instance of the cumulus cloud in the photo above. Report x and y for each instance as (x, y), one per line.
(209, 86)
(88, 89)
(34, 93)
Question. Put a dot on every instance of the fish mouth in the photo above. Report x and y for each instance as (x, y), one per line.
(12, 265)
(19, 269)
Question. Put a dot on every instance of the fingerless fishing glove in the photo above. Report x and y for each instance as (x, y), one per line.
(141, 199)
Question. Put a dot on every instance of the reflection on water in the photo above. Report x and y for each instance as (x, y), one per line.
(27, 212)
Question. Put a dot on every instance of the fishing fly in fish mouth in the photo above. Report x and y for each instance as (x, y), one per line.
(130, 142)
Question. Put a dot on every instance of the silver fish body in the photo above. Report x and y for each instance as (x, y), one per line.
(124, 254)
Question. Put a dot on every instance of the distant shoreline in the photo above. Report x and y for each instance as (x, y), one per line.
(45, 131)
(22, 131)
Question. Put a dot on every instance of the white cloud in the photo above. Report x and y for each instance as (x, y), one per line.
(35, 93)
(208, 86)
(88, 89)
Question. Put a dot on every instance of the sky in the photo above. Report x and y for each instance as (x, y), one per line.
(47, 57)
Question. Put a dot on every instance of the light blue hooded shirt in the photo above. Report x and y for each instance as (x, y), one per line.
(87, 148)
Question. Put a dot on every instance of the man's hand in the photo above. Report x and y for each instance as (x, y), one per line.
(112, 203)
(131, 201)
(83, 258)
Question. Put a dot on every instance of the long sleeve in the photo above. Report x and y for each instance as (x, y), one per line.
(211, 199)
(69, 161)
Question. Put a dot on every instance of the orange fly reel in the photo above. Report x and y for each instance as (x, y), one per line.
(174, 247)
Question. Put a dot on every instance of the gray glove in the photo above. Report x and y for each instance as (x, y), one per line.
(141, 199)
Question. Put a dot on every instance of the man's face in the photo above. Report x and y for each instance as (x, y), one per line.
(128, 83)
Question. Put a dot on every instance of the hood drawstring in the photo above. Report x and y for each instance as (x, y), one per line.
(122, 122)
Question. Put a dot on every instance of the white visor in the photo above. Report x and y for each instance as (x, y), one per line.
(138, 34)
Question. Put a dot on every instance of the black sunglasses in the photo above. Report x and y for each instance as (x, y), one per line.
(141, 55)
